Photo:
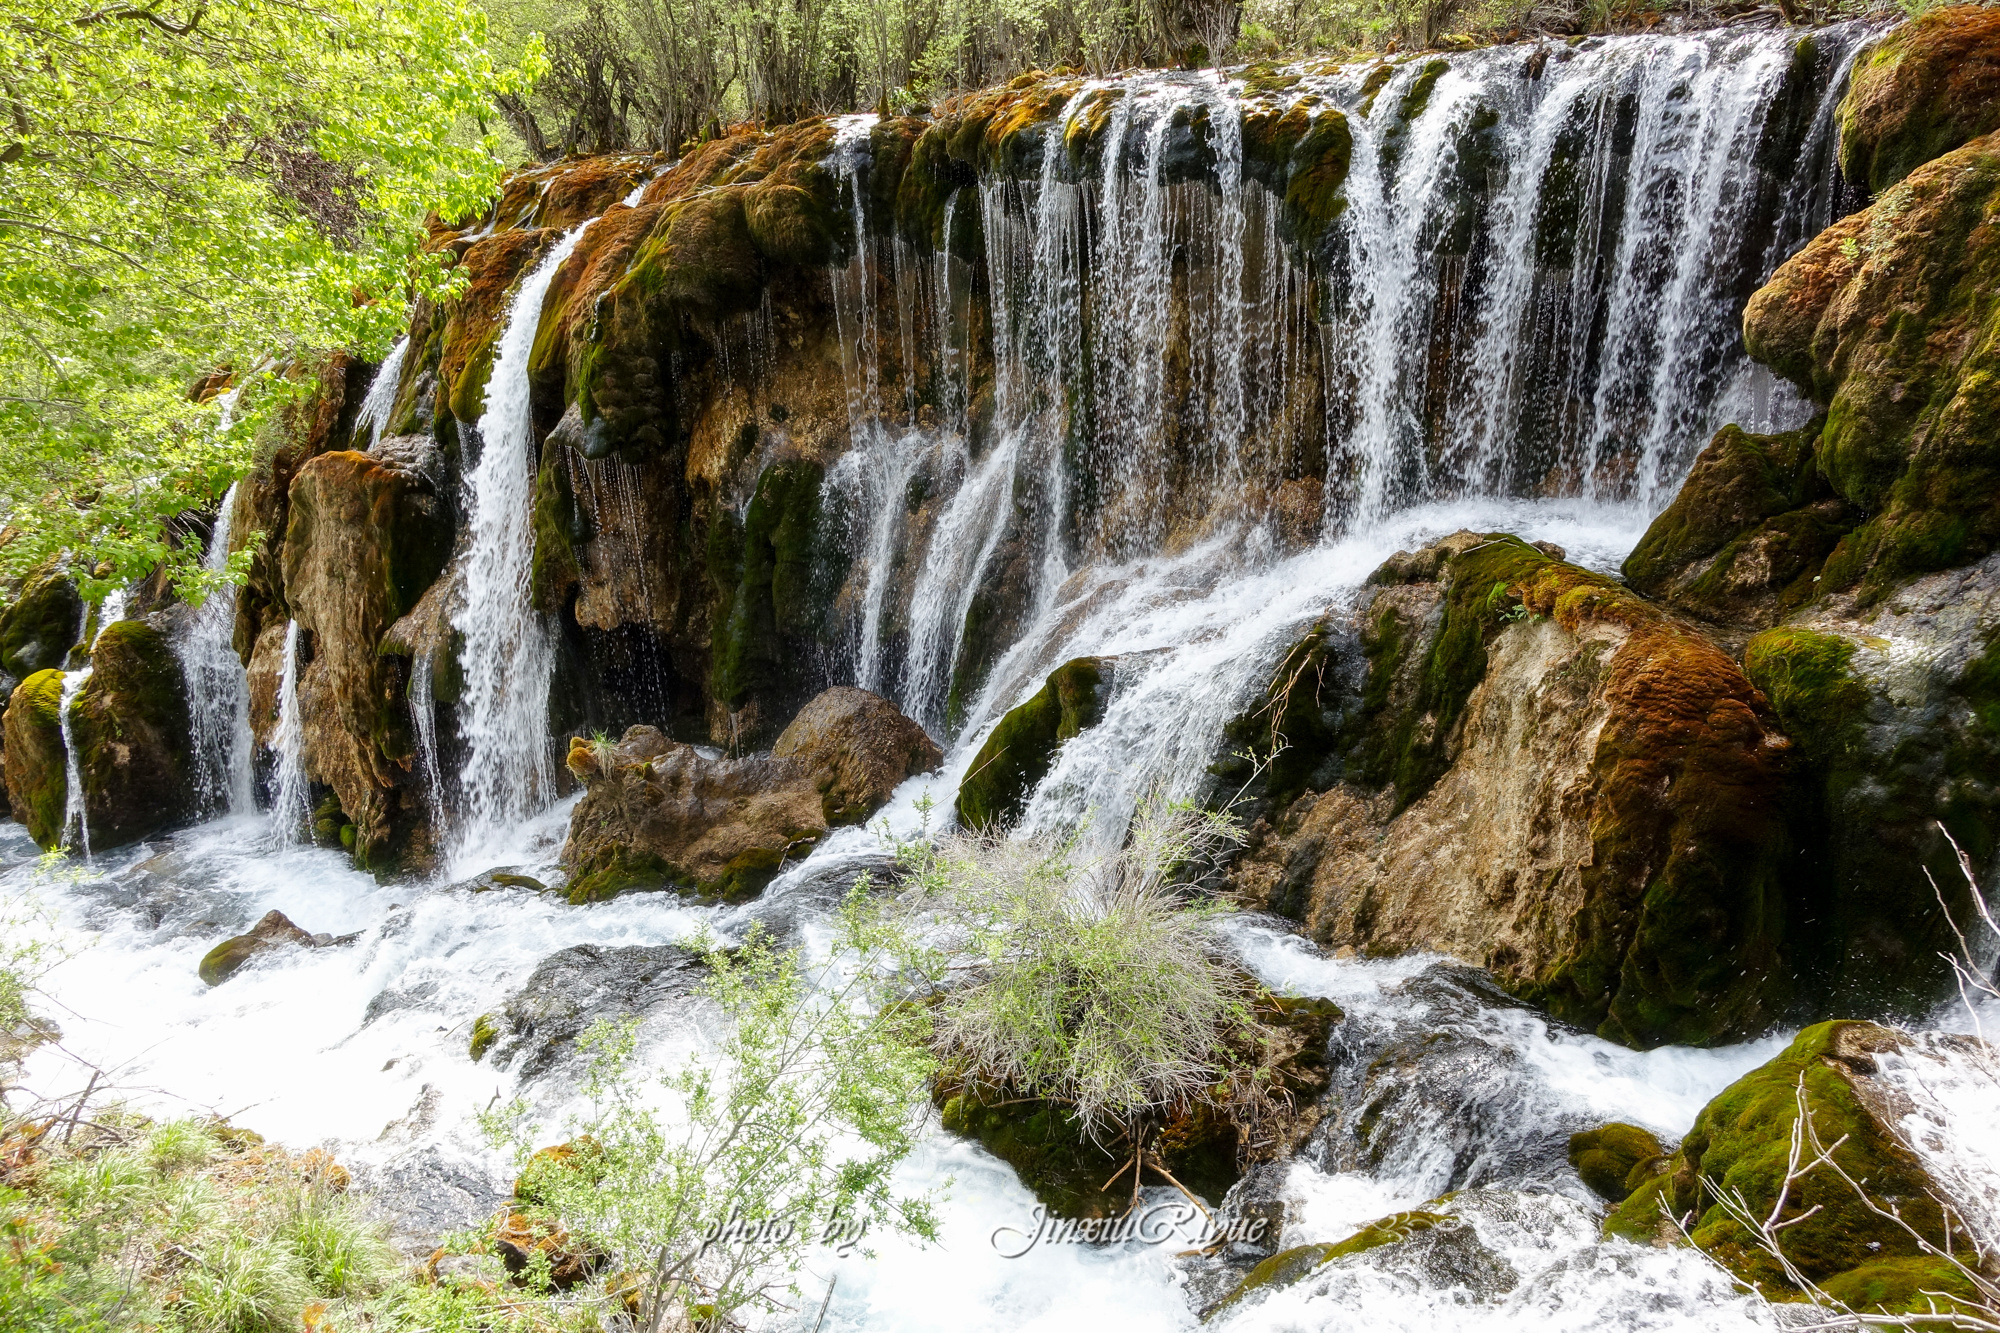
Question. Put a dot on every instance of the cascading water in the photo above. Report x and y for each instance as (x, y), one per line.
(503, 715)
(76, 809)
(372, 418)
(291, 793)
(218, 693)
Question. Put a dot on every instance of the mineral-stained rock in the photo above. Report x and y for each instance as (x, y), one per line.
(37, 786)
(568, 991)
(1887, 320)
(1741, 1142)
(366, 537)
(859, 748)
(658, 814)
(273, 931)
(1918, 92)
(130, 726)
(1520, 762)
(1022, 748)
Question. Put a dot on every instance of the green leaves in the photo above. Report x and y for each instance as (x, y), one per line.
(187, 188)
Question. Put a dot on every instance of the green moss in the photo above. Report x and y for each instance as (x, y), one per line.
(1372, 84)
(620, 870)
(1920, 1285)
(131, 726)
(1022, 748)
(1614, 1159)
(37, 782)
(1806, 677)
(557, 521)
(484, 1033)
(772, 579)
(1315, 188)
(1418, 96)
(1741, 1144)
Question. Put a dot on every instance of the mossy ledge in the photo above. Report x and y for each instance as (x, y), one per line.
(1022, 748)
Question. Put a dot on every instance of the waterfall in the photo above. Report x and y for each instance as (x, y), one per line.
(423, 719)
(291, 799)
(508, 655)
(372, 418)
(76, 812)
(218, 693)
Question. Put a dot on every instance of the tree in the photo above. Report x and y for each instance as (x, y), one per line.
(189, 188)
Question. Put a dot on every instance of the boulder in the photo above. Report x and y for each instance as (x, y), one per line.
(659, 814)
(40, 623)
(1519, 762)
(273, 931)
(1741, 1143)
(34, 757)
(1022, 748)
(538, 1025)
(859, 748)
(131, 729)
(1919, 91)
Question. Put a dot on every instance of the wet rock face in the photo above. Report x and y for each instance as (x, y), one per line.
(130, 725)
(366, 536)
(1518, 761)
(538, 1026)
(1895, 710)
(1022, 748)
(658, 814)
(1741, 1142)
(1922, 90)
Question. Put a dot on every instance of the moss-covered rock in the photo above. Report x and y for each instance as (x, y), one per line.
(484, 1033)
(38, 626)
(1022, 748)
(1741, 1144)
(1748, 531)
(1289, 1267)
(34, 757)
(130, 726)
(475, 320)
(1897, 719)
(1614, 1159)
(1918, 92)
(1888, 321)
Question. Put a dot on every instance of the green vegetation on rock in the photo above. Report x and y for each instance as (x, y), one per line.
(1614, 1159)
(1022, 747)
(1919, 91)
(34, 756)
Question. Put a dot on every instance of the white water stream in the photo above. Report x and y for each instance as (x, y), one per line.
(218, 695)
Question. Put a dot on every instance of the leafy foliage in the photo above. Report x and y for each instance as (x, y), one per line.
(202, 190)
(813, 1104)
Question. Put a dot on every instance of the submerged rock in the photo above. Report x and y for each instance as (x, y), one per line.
(1022, 748)
(1520, 762)
(658, 814)
(538, 1026)
(1741, 1142)
(274, 930)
